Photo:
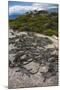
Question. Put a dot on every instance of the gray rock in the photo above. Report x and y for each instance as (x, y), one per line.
(32, 60)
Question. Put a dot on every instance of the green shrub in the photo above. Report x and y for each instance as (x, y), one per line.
(50, 32)
(41, 23)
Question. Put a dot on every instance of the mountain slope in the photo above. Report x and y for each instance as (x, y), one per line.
(36, 21)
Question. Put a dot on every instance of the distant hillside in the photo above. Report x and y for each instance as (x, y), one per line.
(53, 10)
(15, 15)
(36, 21)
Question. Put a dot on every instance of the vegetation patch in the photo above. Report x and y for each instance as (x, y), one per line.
(40, 21)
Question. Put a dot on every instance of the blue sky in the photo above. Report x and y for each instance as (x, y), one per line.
(13, 3)
(16, 7)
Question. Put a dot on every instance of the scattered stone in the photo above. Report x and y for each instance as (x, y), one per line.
(23, 57)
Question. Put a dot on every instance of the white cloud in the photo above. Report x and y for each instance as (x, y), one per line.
(22, 9)
(45, 6)
(19, 9)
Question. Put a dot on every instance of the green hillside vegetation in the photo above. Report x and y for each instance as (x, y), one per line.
(36, 21)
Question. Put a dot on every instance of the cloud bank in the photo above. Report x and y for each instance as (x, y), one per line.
(35, 6)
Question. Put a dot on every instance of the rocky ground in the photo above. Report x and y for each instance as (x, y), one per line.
(33, 60)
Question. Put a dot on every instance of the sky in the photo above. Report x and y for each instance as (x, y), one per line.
(16, 7)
